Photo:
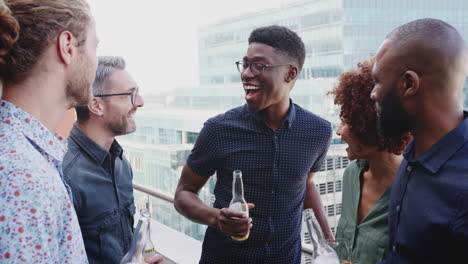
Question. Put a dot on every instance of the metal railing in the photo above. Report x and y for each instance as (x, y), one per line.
(160, 195)
(153, 192)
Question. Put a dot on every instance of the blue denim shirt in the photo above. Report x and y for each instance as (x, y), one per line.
(274, 165)
(428, 211)
(101, 184)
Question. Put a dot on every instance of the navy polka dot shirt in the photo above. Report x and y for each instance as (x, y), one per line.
(274, 167)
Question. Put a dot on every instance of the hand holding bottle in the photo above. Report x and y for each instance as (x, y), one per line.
(142, 248)
(322, 251)
(235, 220)
(234, 223)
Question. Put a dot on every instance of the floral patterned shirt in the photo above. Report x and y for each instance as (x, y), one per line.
(38, 223)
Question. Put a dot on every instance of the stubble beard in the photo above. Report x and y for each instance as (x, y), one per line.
(120, 129)
(79, 90)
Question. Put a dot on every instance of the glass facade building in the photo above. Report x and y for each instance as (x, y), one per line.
(337, 34)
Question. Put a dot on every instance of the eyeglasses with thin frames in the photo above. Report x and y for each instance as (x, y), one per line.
(257, 68)
(133, 94)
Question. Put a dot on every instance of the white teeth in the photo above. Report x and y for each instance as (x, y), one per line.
(249, 87)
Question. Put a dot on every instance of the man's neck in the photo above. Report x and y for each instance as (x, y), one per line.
(97, 133)
(274, 115)
(43, 98)
(431, 128)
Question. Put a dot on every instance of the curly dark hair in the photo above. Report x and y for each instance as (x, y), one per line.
(283, 39)
(358, 110)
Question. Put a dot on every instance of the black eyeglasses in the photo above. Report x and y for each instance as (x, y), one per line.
(133, 94)
(257, 68)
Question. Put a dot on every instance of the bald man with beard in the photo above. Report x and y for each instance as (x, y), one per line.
(419, 74)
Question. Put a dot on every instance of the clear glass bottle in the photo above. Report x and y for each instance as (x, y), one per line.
(142, 246)
(323, 253)
(238, 202)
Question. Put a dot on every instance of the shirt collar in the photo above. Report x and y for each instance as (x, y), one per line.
(288, 121)
(362, 164)
(93, 149)
(441, 151)
(49, 142)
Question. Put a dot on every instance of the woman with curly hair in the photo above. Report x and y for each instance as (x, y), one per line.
(367, 180)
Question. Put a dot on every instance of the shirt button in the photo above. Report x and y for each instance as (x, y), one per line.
(272, 191)
(393, 248)
(409, 168)
(398, 208)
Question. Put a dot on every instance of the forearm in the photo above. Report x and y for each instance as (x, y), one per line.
(189, 205)
(313, 201)
(187, 202)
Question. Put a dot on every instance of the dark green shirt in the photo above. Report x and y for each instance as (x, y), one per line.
(368, 240)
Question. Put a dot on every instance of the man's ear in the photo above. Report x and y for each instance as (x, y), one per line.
(66, 46)
(96, 107)
(411, 82)
(291, 74)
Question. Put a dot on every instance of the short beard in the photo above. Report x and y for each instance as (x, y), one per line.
(392, 121)
(120, 129)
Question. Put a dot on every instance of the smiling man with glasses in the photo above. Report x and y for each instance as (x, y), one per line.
(133, 93)
(276, 144)
(94, 166)
(257, 68)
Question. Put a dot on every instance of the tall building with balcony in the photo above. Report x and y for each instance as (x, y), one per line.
(337, 34)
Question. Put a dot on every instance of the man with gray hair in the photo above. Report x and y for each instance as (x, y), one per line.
(95, 168)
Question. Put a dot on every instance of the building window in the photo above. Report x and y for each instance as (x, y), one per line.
(345, 161)
(136, 162)
(191, 137)
(322, 188)
(337, 141)
(179, 137)
(338, 186)
(321, 18)
(330, 186)
(329, 164)
(163, 136)
(338, 209)
(330, 210)
(333, 209)
(326, 72)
